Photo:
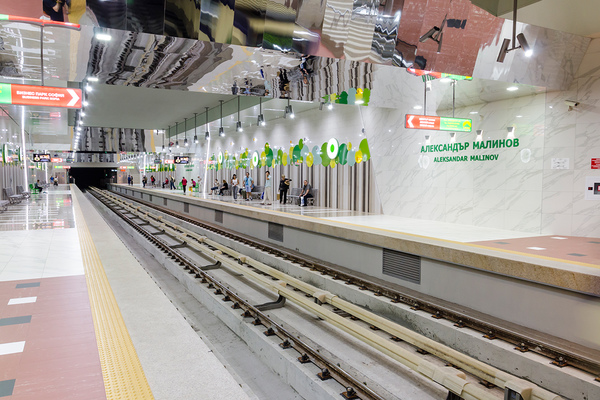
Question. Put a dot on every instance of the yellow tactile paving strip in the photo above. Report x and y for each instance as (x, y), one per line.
(123, 375)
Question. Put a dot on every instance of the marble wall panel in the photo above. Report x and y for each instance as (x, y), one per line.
(553, 223)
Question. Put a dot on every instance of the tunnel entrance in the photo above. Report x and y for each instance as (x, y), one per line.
(98, 177)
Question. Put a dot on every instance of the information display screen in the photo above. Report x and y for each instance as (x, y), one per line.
(181, 160)
(41, 158)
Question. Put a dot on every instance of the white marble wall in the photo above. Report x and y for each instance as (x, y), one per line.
(520, 191)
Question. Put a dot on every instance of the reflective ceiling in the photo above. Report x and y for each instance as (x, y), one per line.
(295, 50)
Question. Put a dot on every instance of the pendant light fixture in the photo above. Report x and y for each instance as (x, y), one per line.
(289, 110)
(261, 118)
(177, 134)
(185, 142)
(163, 147)
(195, 135)
(169, 138)
(207, 133)
(238, 124)
(221, 130)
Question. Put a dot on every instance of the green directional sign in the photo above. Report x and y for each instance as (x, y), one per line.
(455, 124)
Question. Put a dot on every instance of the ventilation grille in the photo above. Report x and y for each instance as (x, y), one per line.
(150, 197)
(276, 232)
(186, 208)
(402, 266)
(142, 196)
(165, 201)
(218, 216)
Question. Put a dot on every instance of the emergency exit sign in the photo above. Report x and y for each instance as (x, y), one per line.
(27, 95)
(435, 123)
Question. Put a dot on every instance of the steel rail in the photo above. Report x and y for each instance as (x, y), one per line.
(308, 354)
(560, 357)
(450, 381)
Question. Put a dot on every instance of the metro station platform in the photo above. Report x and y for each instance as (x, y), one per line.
(567, 262)
(80, 317)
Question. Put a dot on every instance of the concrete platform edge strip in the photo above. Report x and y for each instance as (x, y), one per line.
(123, 375)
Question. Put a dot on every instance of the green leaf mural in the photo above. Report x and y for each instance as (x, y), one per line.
(345, 154)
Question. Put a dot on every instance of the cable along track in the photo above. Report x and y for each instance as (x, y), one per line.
(453, 381)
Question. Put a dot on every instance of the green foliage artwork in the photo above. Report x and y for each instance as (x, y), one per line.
(328, 154)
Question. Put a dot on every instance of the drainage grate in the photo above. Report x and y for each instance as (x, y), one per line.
(165, 201)
(276, 232)
(186, 208)
(218, 216)
(402, 266)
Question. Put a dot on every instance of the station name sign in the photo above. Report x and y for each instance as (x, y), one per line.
(181, 159)
(435, 123)
(27, 95)
(41, 158)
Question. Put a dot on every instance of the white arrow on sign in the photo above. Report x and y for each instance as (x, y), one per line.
(74, 98)
(409, 121)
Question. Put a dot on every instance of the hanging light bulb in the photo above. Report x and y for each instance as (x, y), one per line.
(207, 133)
(221, 130)
(185, 142)
(238, 124)
(195, 135)
(261, 118)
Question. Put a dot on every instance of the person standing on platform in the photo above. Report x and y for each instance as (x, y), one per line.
(268, 189)
(184, 184)
(305, 194)
(284, 185)
(144, 181)
(172, 182)
(234, 186)
(153, 180)
(248, 185)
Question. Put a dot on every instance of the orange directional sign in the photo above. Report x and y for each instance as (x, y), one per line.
(27, 95)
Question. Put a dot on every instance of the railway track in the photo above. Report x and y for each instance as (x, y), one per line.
(557, 355)
(393, 295)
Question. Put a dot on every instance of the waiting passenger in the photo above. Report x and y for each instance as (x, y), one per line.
(224, 187)
(284, 185)
(172, 182)
(38, 187)
(305, 194)
(215, 187)
(248, 185)
(268, 189)
(234, 186)
(184, 184)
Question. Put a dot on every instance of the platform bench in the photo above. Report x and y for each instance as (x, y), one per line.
(11, 196)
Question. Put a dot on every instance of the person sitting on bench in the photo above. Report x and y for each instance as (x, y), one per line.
(305, 194)
(38, 187)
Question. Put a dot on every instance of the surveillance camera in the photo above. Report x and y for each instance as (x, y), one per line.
(571, 103)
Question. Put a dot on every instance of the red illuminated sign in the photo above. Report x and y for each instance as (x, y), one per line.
(27, 95)
(168, 162)
(36, 21)
(56, 159)
(595, 163)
